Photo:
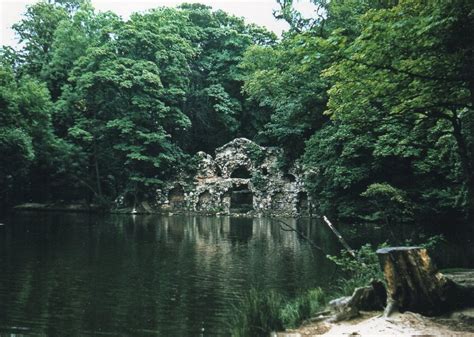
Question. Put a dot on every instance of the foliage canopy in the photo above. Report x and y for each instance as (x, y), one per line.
(373, 98)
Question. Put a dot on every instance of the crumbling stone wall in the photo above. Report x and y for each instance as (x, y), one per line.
(242, 177)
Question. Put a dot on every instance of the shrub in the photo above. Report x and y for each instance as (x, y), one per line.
(358, 271)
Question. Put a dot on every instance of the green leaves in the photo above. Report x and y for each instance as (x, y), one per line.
(375, 98)
(286, 79)
(36, 31)
(25, 130)
(396, 96)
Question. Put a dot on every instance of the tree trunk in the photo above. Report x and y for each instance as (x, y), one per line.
(413, 282)
(467, 170)
(97, 176)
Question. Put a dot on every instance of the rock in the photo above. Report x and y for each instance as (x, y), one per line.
(145, 206)
(242, 178)
(206, 166)
(56, 207)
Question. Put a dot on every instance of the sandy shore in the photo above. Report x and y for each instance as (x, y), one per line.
(460, 323)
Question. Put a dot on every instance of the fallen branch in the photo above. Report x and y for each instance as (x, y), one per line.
(287, 228)
(318, 317)
(341, 239)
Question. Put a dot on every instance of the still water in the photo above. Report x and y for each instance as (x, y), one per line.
(76, 274)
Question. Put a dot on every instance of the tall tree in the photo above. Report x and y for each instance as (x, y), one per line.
(405, 80)
(25, 130)
(214, 101)
(36, 32)
(286, 80)
(122, 104)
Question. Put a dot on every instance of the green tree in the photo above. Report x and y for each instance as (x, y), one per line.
(214, 102)
(122, 105)
(286, 81)
(410, 70)
(401, 119)
(25, 130)
(85, 29)
(36, 32)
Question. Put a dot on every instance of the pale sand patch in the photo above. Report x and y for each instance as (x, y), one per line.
(373, 324)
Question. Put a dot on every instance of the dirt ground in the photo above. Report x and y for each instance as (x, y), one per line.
(459, 323)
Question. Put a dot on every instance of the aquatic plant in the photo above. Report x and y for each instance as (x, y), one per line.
(262, 311)
(257, 314)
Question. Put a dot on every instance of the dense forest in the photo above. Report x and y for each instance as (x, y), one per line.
(374, 98)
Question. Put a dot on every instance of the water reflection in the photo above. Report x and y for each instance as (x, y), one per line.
(63, 274)
(241, 229)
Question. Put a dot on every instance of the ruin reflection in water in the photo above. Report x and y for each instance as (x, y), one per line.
(66, 274)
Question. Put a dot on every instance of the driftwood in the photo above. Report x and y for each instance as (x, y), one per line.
(318, 317)
(340, 238)
(414, 284)
(372, 297)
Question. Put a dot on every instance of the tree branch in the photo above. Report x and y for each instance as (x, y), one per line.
(406, 72)
(287, 228)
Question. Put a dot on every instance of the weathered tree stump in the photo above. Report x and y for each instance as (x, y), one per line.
(413, 282)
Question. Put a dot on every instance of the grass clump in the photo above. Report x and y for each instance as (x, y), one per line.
(262, 311)
(304, 306)
(257, 314)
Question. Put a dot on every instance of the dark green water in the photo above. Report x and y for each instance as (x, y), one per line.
(75, 274)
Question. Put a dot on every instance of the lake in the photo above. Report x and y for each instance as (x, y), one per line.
(77, 274)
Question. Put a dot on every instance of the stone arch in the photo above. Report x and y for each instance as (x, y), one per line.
(218, 171)
(278, 201)
(176, 197)
(241, 199)
(302, 204)
(241, 171)
(225, 200)
(289, 178)
(204, 201)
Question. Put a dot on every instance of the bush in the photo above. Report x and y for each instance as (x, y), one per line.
(255, 153)
(359, 272)
(259, 181)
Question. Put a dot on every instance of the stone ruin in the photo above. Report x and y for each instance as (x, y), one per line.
(242, 178)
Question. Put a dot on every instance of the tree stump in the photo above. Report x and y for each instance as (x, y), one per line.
(413, 282)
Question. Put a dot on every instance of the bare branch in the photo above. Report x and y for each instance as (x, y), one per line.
(287, 228)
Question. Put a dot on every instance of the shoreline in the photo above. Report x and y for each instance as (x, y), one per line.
(92, 208)
(458, 323)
